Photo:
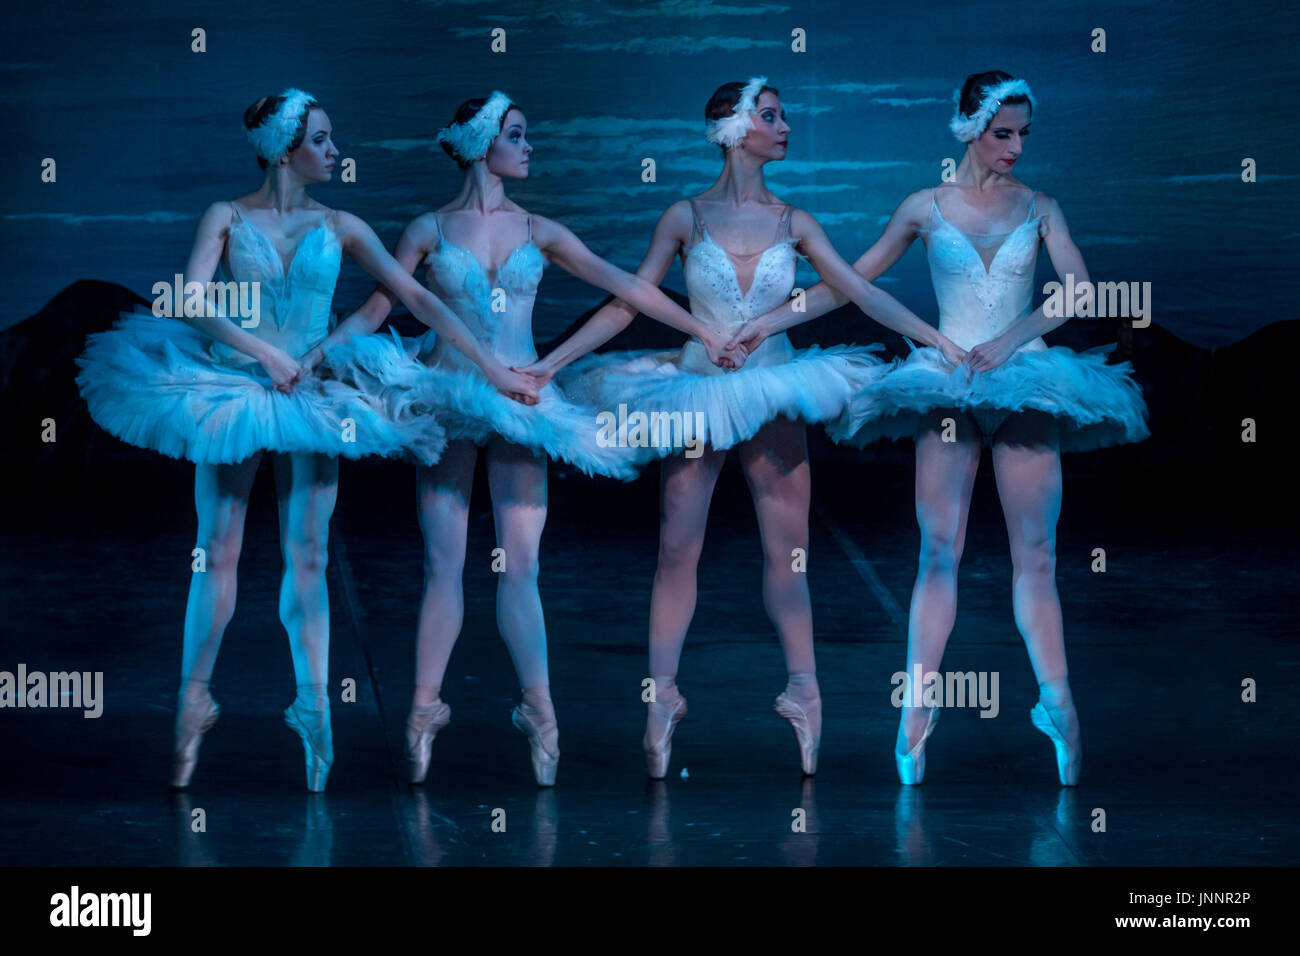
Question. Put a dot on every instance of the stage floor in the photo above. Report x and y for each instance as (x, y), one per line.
(1184, 771)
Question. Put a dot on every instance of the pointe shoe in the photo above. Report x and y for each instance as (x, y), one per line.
(545, 762)
(911, 765)
(422, 725)
(1069, 757)
(313, 726)
(802, 715)
(192, 723)
(661, 721)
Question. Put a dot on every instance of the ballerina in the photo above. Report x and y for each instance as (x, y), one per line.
(1012, 391)
(488, 140)
(760, 410)
(220, 392)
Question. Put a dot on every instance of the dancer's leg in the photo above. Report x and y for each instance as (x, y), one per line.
(221, 501)
(442, 499)
(686, 488)
(307, 488)
(775, 462)
(517, 480)
(945, 478)
(1027, 462)
(442, 502)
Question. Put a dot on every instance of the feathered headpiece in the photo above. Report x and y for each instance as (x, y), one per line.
(730, 130)
(272, 138)
(470, 140)
(967, 128)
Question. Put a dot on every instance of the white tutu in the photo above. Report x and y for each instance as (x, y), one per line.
(153, 382)
(809, 385)
(1095, 404)
(469, 407)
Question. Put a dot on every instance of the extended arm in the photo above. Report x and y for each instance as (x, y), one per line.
(360, 241)
(903, 227)
(669, 235)
(634, 293)
(876, 303)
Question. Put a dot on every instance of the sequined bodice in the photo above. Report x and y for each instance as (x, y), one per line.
(293, 304)
(498, 310)
(713, 287)
(977, 302)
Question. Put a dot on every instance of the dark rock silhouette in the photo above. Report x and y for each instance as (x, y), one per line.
(38, 372)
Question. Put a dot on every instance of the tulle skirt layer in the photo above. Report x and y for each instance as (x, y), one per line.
(644, 394)
(152, 382)
(1095, 404)
(388, 369)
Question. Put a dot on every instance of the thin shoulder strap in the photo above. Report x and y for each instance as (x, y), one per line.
(235, 208)
(437, 224)
(1033, 204)
(697, 222)
(934, 201)
(783, 225)
(530, 227)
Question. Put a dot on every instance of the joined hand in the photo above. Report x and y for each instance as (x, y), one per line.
(728, 355)
(748, 337)
(989, 355)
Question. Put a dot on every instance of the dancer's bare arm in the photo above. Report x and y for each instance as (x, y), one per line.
(904, 226)
(360, 242)
(638, 292)
(875, 302)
